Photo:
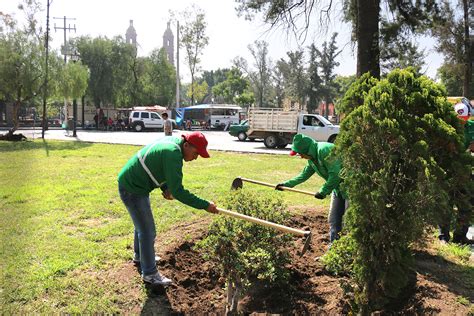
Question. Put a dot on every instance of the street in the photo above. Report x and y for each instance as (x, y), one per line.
(218, 140)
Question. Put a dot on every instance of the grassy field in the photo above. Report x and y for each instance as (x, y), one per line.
(62, 219)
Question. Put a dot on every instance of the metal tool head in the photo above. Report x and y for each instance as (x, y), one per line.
(237, 184)
(307, 243)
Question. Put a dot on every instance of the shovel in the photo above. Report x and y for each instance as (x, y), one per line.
(238, 184)
(279, 227)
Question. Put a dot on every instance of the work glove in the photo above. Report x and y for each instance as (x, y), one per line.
(319, 195)
(279, 186)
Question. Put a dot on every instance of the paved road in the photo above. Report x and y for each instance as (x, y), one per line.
(218, 140)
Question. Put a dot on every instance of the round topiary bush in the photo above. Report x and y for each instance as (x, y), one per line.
(403, 157)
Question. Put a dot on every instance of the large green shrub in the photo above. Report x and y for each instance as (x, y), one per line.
(247, 252)
(402, 152)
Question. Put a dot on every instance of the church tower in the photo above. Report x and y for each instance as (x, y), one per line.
(168, 43)
(131, 35)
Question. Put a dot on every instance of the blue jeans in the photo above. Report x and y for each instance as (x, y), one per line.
(336, 212)
(138, 207)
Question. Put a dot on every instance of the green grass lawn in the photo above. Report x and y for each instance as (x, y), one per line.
(62, 219)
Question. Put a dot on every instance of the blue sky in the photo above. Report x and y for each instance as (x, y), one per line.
(229, 35)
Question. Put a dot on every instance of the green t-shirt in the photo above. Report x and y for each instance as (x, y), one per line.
(164, 159)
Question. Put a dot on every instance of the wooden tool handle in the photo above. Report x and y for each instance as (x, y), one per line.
(274, 185)
(255, 220)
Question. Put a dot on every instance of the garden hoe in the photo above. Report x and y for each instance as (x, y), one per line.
(238, 183)
(279, 227)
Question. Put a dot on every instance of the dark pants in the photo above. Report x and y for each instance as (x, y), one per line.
(138, 207)
(336, 212)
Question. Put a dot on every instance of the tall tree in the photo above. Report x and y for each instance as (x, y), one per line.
(363, 14)
(235, 89)
(279, 75)
(261, 77)
(22, 59)
(452, 34)
(400, 52)
(96, 53)
(327, 63)
(197, 91)
(314, 91)
(193, 40)
(73, 80)
(213, 78)
(296, 77)
(163, 77)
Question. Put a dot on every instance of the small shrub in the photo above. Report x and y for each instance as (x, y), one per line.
(247, 252)
(339, 259)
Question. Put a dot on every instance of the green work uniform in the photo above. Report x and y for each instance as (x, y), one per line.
(468, 133)
(321, 162)
(164, 159)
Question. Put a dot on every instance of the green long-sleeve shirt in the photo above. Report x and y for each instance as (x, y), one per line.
(165, 162)
(468, 133)
(321, 162)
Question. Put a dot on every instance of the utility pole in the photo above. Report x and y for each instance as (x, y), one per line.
(65, 53)
(177, 65)
(65, 28)
(45, 88)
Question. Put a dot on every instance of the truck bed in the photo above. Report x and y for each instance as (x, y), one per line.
(273, 120)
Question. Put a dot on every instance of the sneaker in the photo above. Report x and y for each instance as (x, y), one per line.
(156, 279)
(137, 261)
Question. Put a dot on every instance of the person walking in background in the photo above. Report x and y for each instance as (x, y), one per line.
(328, 167)
(158, 165)
(167, 125)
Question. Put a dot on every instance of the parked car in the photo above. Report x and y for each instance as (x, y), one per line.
(240, 130)
(141, 120)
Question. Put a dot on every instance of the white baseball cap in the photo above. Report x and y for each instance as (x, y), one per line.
(462, 111)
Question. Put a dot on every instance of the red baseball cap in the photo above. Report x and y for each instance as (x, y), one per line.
(199, 141)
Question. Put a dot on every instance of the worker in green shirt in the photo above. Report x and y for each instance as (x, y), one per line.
(328, 167)
(464, 212)
(158, 165)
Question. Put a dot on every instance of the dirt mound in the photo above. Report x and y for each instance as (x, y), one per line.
(198, 288)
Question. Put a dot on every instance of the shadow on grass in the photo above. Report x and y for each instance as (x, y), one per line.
(42, 144)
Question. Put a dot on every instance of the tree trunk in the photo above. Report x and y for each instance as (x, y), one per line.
(233, 295)
(367, 33)
(16, 108)
(467, 52)
(326, 110)
(192, 90)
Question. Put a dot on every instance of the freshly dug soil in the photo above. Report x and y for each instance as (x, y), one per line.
(198, 289)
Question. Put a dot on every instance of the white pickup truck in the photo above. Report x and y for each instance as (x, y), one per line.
(277, 127)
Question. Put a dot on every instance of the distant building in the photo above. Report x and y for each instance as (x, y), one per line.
(168, 44)
(131, 35)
